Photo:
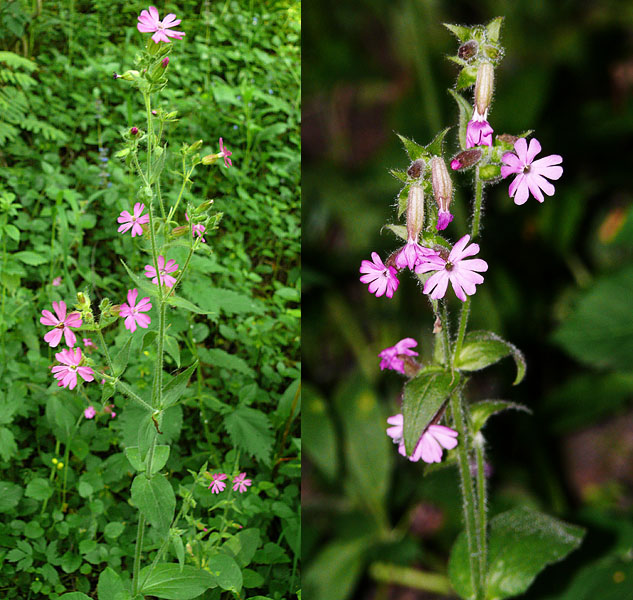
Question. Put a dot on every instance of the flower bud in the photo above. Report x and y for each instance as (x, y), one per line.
(165, 62)
(179, 231)
(209, 159)
(484, 87)
(131, 75)
(134, 131)
(204, 207)
(466, 159)
(442, 190)
(468, 50)
(416, 169)
(415, 211)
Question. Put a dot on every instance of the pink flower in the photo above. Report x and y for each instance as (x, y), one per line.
(478, 131)
(148, 21)
(90, 412)
(224, 151)
(132, 313)
(412, 254)
(531, 173)
(389, 356)
(197, 229)
(88, 342)
(240, 483)
(134, 221)
(163, 270)
(57, 281)
(107, 409)
(461, 273)
(61, 323)
(66, 373)
(381, 279)
(218, 485)
(444, 217)
(164, 62)
(430, 444)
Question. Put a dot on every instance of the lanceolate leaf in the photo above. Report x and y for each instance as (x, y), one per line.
(482, 411)
(463, 34)
(484, 348)
(414, 150)
(522, 543)
(119, 363)
(435, 147)
(176, 387)
(424, 395)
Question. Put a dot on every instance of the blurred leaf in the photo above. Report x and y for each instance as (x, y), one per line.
(367, 449)
(226, 572)
(166, 580)
(599, 331)
(318, 436)
(522, 543)
(424, 395)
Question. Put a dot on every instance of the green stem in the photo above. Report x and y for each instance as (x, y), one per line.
(468, 495)
(482, 524)
(105, 348)
(130, 394)
(182, 272)
(474, 230)
(461, 332)
(140, 534)
(185, 177)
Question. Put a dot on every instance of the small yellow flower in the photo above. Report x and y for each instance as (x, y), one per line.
(54, 461)
(60, 465)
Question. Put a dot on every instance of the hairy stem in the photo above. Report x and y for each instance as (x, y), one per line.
(482, 523)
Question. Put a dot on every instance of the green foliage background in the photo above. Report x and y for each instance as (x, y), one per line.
(236, 75)
(558, 287)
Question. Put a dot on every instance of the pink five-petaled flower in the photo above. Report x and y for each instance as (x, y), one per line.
(90, 412)
(461, 273)
(57, 281)
(240, 483)
(389, 356)
(133, 314)
(163, 270)
(197, 229)
(61, 323)
(430, 444)
(381, 279)
(218, 485)
(148, 21)
(134, 221)
(66, 373)
(531, 173)
(478, 132)
(412, 254)
(224, 151)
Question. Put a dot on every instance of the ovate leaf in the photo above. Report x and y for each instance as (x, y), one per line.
(480, 412)
(155, 499)
(250, 430)
(168, 581)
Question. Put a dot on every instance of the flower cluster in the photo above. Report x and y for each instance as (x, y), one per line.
(240, 483)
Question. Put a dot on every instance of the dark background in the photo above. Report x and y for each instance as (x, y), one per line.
(558, 285)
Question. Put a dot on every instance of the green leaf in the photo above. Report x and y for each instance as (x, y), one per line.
(403, 200)
(39, 489)
(226, 572)
(8, 447)
(599, 331)
(13, 232)
(155, 499)
(493, 29)
(243, 545)
(435, 147)
(141, 284)
(467, 77)
(490, 172)
(10, 495)
(480, 412)
(180, 302)
(167, 581)
(161, 455)
(134, 456)
(113, 529)
(463, 34)
(30, 258)
(218, 299)
(484, 348)
(424, 396)
(70, 562)
(110, 585)
(119, 363)
(399, 174)
(318, 436)
(414, 150)
(179, 547)
(171, 347)
(399, 230)
(249, 430)
(75, 596)
(223, 360)
(522, 543)
(175, 388)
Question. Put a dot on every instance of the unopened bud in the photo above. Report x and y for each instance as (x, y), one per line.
(442, 185)
(466, 159)
(131, 75)
(484, 86)
(115, 310)
(443, 192)
(154, 112)
(416, 169)
(134, 131)
(468, 50)
(165, 62)
(207, 204)
(209, 159)
(179, 231)
(415, 211)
